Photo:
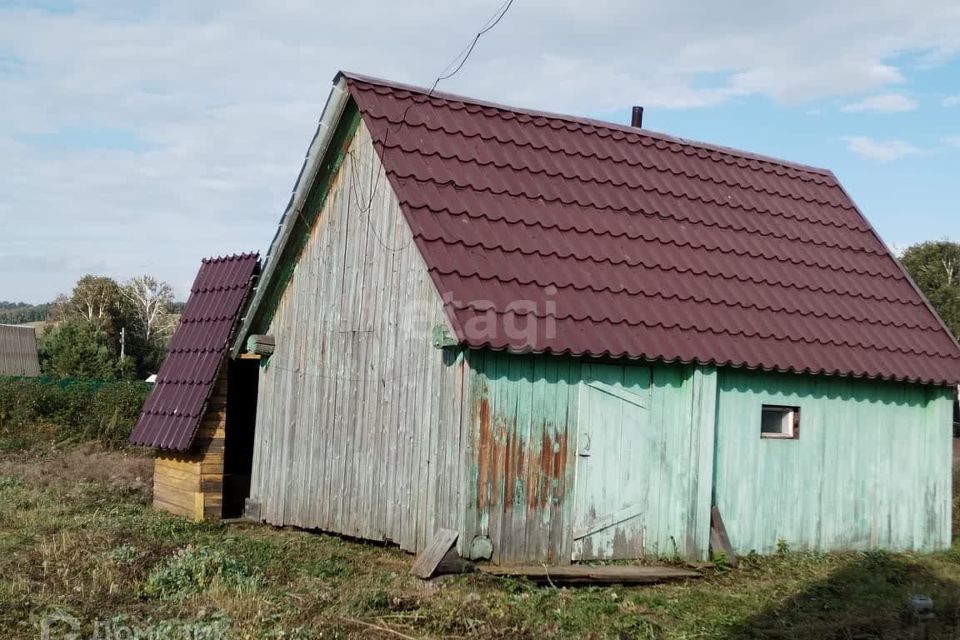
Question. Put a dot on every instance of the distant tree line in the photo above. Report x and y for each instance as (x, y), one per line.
(22, 313)
(108, 330)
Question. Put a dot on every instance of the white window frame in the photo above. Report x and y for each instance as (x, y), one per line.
(794, 430)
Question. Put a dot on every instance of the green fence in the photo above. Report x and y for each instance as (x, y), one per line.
(76, 409)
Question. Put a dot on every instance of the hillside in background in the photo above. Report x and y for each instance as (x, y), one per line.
(21, 312)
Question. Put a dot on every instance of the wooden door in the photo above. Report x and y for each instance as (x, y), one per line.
(616, 452)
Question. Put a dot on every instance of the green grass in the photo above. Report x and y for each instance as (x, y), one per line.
(82, 539)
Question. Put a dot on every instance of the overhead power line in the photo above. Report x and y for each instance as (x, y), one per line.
(458, 62)
(493, 21)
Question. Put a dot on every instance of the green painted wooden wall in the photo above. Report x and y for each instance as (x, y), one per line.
(522, 442)
(871, 467)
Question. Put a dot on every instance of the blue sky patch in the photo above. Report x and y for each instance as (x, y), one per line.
(894, 194)
(49, 6)
(88, 138)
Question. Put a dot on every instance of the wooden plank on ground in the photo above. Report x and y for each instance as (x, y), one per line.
(581, 574)
(435, 551)
(719, 541)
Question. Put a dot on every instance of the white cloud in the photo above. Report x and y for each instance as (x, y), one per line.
(882, 103)
(953, 141)
(880, 150)
(951, 101)
(225, 97)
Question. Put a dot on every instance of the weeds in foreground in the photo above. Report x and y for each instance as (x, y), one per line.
(192, 570)
(84, 542)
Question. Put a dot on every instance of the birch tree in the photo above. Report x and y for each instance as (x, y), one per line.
(96, 299)
(148, 304)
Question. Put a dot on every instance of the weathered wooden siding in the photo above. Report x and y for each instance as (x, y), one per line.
(358, 420)
(523, 417)
(522, 433)
(870, 469)
(191, 483)
(18, 351)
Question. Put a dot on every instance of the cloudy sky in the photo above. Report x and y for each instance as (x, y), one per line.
(138, 138)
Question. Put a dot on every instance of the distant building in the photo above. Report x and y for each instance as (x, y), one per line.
(18, 351)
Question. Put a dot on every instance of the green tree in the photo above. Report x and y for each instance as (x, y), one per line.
(935, 267)
(95, 298)
(78, 348)
(147, 303)
(21, 312)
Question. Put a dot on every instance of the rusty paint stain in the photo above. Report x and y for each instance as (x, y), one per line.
(507, 465)
(510, 463)
(483, 455)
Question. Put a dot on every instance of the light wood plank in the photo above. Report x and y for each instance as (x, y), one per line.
(443, 540)
(586, 575)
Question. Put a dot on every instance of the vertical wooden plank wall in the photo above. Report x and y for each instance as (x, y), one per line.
(358, 419)
(870, 469)
(520, 448)
(521, 421)
(18, 351)
(191, 483)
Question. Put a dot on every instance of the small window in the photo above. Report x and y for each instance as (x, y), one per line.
(780, 422)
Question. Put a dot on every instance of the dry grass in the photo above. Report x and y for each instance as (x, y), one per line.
(77, 533)
(87, 462)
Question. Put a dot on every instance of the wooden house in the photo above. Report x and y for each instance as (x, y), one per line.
(199, 395)
(570, 340)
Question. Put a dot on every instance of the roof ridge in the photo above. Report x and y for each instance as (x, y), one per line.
(580, 120)
(229, 257)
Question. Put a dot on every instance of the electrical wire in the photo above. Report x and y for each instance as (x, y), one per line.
(445, 74)
(491, 23)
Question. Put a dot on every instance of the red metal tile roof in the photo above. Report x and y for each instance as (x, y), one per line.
(621, 242)
(173, 411)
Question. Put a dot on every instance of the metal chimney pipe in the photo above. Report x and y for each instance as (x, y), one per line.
(637, 119)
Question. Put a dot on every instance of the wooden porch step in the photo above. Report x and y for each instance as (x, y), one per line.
(583, 574)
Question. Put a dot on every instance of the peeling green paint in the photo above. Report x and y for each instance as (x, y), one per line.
(528, 414)
(869, 470)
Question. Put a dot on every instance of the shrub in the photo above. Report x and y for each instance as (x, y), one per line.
(193, 570)
(79, 348)
(79, 409)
